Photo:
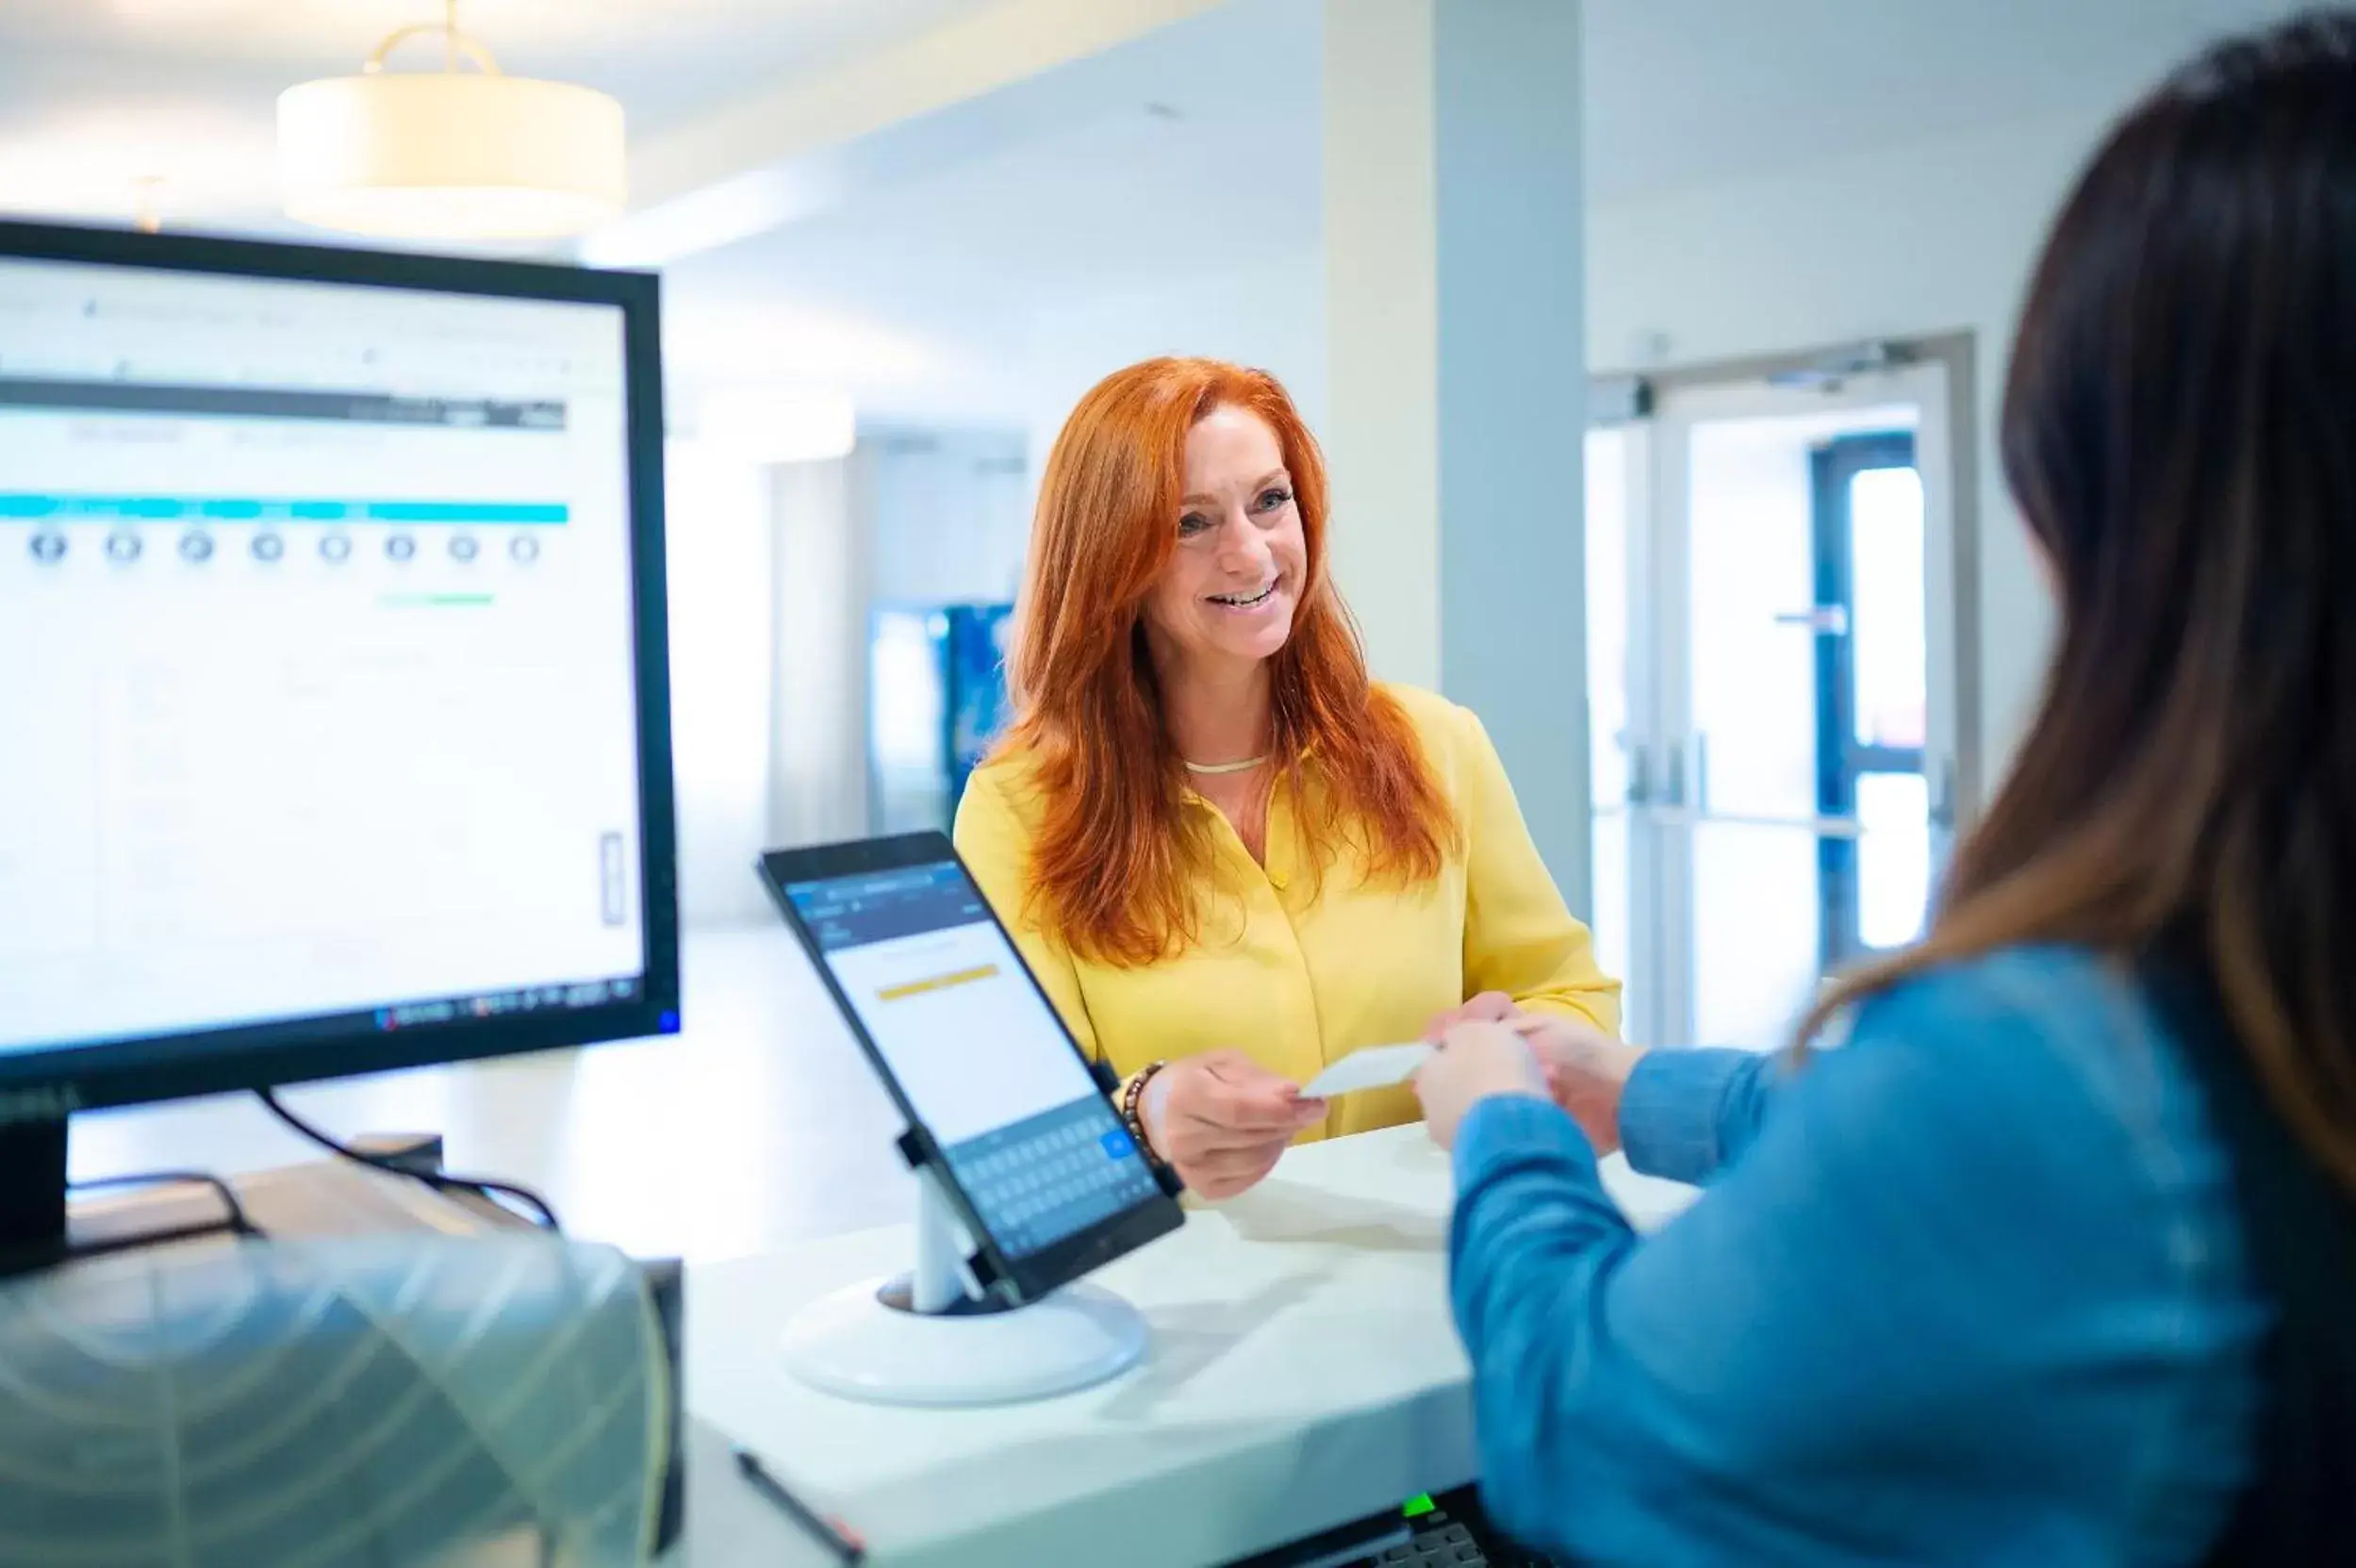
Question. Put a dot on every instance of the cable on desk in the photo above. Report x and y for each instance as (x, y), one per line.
(238, 1222)
(441, 1180)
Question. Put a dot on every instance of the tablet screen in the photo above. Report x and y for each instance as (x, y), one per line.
(977, 1052)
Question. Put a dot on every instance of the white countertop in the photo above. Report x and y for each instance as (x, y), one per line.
(1303, 1372)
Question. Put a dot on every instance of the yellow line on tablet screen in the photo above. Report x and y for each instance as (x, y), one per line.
(937, 982)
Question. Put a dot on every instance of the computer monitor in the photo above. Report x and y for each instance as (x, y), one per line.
(334, 720)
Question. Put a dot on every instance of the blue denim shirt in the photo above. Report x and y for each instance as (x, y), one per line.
(1967, 1288)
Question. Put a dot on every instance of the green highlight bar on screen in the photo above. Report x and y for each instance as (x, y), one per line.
(41, 506)
(435, 600)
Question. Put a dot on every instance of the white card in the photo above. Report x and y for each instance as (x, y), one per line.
(1374, 1067)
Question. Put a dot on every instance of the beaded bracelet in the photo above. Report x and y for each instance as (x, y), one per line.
(1133, 1105)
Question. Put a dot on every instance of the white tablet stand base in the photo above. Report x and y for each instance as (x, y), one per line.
(934, 1338)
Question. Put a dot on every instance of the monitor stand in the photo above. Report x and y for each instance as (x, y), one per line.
(32, 1191)
(930, 1338)
(39, 1229)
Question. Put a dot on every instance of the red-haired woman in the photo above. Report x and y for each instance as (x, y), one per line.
(1229, 856)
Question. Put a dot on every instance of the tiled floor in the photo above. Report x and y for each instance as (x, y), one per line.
(759, 1124)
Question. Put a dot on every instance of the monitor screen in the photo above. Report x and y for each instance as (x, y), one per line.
(975, 1050)
(326, 690)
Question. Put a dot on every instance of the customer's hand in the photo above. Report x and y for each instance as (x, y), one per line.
(1222, 1121)
(1476, 1062)
(1586, 1070)
(1490, 1007)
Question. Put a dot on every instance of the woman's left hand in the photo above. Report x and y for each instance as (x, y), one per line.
(1476, 1062)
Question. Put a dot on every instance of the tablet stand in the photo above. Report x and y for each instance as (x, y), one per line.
(935, 1337)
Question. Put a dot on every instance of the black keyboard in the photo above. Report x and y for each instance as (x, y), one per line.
(1447, 1531)
(1455, 1534)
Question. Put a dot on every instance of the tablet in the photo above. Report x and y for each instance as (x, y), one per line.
(1000, 1102)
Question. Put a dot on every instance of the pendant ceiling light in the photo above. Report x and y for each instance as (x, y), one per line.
(448, 153)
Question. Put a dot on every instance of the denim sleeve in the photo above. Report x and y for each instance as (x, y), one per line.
(1685, 1112)
(1952, 1305)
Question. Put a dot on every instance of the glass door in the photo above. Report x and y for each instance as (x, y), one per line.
(1773, 783)
(1623, 847)
(1872, 702)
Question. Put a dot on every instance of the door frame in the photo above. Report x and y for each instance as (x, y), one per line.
(1950, 445)
(1666, 761)
(1842, 759)
(1641, 1018)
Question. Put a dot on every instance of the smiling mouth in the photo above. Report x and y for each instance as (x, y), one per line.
(1244, 600)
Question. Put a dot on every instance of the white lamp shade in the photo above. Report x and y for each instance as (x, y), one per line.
(449, 155)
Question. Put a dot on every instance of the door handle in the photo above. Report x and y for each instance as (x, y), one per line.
(1942, 788)
(1651, 779)
(1825, 620)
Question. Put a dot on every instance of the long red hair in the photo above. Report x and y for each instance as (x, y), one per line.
(1116, 865)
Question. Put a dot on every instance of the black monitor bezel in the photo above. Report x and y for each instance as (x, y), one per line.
(1031, 1275)
(43, 1084)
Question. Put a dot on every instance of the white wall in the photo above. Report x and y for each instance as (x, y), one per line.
(1909, 240)
(816, 773)
(768, 571)
(718, 556)
(1268, 312)
(1904, 241)
(948, 513)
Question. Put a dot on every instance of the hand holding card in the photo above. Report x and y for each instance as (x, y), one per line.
(1374, 1067)
(1222, 1121)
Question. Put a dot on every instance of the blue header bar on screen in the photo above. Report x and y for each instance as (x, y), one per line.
(21, 506)
(877, 906)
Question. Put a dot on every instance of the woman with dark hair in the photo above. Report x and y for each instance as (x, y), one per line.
(2053, 1260)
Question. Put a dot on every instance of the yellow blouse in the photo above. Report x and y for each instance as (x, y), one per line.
(1298, 972)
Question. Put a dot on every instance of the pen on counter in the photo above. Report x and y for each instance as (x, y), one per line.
(838, 1537)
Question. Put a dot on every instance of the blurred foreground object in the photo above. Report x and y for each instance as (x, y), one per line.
(386, 1400)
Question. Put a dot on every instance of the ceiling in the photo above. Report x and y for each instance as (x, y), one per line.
(914, 262)
(960, 232)
(1684, 91)
(1189, 152)
(96, 94)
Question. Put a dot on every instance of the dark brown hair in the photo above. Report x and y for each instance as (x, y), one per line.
(2180, 430)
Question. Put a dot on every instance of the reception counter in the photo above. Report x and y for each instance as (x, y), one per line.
(1303, 1373)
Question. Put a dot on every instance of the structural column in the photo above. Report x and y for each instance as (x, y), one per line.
(1457, 388)
(818, 730)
